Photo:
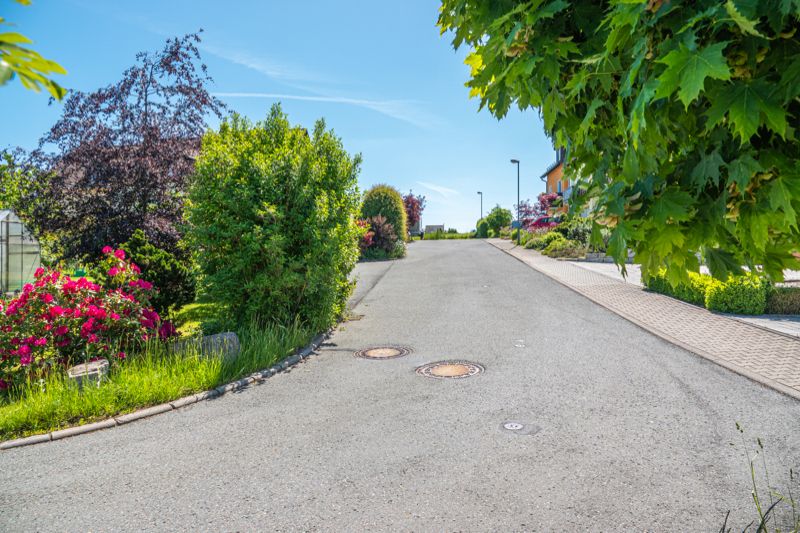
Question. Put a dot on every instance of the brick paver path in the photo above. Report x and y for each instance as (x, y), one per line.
(764, 356)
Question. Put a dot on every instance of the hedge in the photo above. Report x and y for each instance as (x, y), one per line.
(745, 295)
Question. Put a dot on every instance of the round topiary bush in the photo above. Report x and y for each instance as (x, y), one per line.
(482, 229)
(386, 201)
(746, 295)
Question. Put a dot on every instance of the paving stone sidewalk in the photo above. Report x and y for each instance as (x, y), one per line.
(764, 356)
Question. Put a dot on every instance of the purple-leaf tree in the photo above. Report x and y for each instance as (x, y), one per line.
(415, 204)
(123, 154)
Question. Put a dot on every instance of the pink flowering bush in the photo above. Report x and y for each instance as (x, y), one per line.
(58, 321)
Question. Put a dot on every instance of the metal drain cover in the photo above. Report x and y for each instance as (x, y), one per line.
(383, 352)
(450, 369)
(516, 427)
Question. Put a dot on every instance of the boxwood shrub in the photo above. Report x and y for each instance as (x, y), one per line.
(564, 248)
(385, 200)
(481, 229)
(746, 295)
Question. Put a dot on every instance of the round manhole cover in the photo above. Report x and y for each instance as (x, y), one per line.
(516, 427)
(450, 369)
(383, 352)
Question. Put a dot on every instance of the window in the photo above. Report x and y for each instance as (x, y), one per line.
(559, 186)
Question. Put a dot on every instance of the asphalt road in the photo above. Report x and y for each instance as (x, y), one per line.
(633, 433)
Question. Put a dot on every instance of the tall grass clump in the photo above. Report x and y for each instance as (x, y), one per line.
(156, 374)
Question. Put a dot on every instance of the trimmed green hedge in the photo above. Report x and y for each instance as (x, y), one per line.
(783, 301)
(746, 295)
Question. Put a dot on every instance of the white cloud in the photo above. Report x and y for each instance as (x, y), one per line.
(263, 65)
(398, 109)
(444, 191)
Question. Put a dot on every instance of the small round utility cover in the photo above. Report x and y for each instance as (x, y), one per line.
(519, 428)
(450, 369)
(383, 352)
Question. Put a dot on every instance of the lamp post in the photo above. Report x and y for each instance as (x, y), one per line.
(519, 222)
(481, 193)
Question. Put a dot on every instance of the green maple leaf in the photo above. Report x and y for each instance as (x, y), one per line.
(741, 169)
(688, 69)
(663, 241)
(671, 205)
(744, 23)
(722, 263)
(780, 197)
(707, 169)
(748, 105)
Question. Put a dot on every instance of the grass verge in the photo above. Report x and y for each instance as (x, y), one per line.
(154, 376)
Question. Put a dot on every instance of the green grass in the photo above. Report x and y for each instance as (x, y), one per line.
(154, 376)
(440, 236)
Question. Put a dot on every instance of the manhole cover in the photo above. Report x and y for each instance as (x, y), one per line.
(519, 428)
(383, 352)
(450, 369)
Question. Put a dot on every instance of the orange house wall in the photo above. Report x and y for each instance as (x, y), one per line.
(553, 177)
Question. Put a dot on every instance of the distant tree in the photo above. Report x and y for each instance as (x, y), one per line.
(17, 60)
(415, 204)
(498, 218)
(124, 154)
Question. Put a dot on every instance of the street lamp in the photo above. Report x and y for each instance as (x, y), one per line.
(481, 193)
(519, 222)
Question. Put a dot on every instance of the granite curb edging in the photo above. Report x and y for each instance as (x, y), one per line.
(147, 412)
(729, 365)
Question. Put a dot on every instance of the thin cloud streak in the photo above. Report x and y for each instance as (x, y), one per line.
(444, 191)
(398, 109)
(270, 69)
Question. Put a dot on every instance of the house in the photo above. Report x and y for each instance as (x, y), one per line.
(434, 228)
(555, 181)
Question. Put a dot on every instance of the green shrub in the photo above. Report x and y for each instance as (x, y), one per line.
(172, 277)
(272, 216)
(577, 229)
(564, 248)
(498, 218)
(540, 242)
(398, 250)
(482, 229)
(783, 301)
(524, 235)
(693, 292)
(505, 233)
(386, 201)
(746, 295)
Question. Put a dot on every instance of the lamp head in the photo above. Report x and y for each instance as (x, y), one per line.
(515, 161)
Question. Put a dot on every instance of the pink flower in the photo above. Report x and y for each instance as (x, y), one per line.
(121, 355)
(167, 330)
(136, 269)
(62, 330)
(92, 339)
(56, 311)
(40, 342)
(27, 288)
(113, 271)
(119, 254)
(114, 317)
(25, 360)
(107, 249)
(24, 350)
(39, 273)
(47, 298)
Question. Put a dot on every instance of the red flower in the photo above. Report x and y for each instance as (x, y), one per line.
(107, 250)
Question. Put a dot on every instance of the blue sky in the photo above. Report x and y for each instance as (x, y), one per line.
(377, 71)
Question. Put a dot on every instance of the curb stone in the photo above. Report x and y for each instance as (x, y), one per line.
(147, 412)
